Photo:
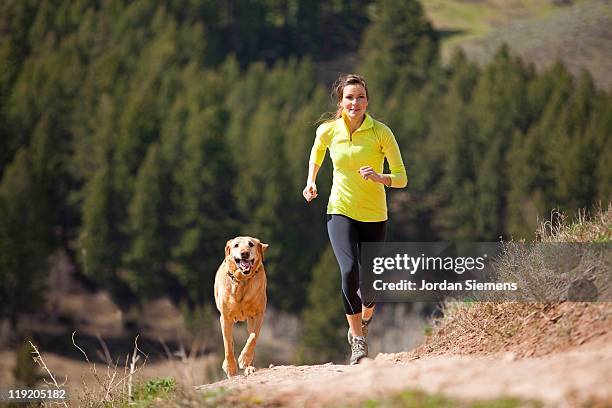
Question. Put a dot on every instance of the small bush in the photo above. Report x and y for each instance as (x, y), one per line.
(153, 389)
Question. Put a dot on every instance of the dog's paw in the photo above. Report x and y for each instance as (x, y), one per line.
(245, 359)
(249, 370)
(230, 368)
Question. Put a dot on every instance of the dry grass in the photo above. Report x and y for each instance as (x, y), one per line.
(41, 362)
(529, 328)
(131, 383)
(112, 386)
(596, 228)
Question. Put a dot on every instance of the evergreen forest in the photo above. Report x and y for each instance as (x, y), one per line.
(139, 136)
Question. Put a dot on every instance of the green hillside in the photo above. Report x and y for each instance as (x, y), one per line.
(578, 32)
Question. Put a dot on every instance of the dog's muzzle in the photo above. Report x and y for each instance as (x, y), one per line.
(244, 265)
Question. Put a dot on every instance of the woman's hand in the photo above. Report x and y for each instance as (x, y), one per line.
(368, 173)
(310, 191)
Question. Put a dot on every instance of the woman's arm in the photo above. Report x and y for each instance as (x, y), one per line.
(397, 177)
(310, 191)
(317, 154)
(313, 169)
(369, 173)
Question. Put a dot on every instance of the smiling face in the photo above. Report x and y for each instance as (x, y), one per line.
(244, 254)
(354, 101)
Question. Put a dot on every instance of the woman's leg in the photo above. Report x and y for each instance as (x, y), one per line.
(367, 312)
(370, 232)
(344, 240)
(354, 322)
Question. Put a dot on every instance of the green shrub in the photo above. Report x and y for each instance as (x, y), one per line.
(152, 389)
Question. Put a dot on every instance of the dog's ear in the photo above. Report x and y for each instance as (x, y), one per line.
(261, 248)
(228, 247)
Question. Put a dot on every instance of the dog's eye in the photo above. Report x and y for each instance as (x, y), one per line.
(235, 245)
(251, 244)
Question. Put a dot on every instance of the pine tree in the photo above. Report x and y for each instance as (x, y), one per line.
(150, 246)
(433, 161)
(25, 238)
(581, 157)
(258, 192)
(600, 132)
(570, 156)
(524, 195)
(491, 187)
(204, 215)
(100, 238)
(9, 66)
(324, 337)
(456, 192)
(499, 108)
(399, 47)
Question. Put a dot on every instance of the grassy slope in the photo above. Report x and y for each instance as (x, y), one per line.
(528, 329)
(539, 30)
(476, 18)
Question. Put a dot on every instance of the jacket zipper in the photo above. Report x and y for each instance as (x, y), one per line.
(350, 148)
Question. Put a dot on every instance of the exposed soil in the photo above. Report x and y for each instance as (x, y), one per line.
(580, 377)
(538, 364)
(524, 329)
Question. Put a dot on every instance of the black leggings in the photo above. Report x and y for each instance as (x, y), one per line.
(346, 236)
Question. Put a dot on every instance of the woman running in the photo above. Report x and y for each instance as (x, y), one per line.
(357, 207)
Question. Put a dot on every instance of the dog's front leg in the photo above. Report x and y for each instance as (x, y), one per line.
(248, 352)
(229, 364)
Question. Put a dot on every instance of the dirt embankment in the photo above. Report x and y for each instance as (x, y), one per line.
(573, 378)
(542, 365)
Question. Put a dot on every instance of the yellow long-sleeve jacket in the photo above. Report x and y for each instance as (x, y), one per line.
(351, 195)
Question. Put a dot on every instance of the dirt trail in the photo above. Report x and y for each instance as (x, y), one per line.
(578, 377)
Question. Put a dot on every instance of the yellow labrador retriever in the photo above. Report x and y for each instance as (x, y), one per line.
(240, 294)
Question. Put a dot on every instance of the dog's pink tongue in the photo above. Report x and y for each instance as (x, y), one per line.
(244, 264)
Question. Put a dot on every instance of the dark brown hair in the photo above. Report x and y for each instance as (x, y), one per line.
(337, 92)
